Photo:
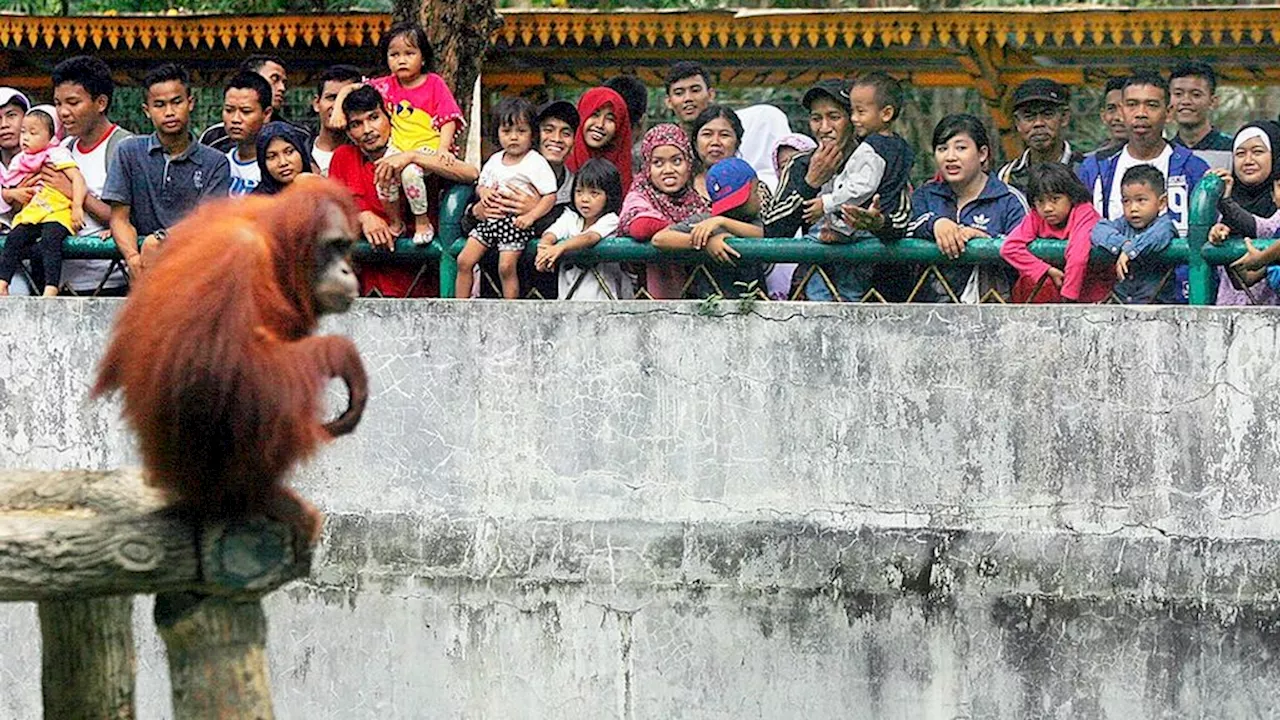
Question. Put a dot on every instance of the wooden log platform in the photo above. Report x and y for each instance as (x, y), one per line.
(82, 543)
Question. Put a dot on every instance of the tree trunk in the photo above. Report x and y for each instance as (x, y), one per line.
(460, 32)
(87, 658)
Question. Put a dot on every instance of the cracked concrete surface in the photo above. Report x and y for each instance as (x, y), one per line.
(635, 510)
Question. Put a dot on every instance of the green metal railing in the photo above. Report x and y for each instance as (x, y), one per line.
(1193, 251)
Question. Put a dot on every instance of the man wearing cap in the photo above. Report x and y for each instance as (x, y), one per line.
(555, 125)
(1041, 115)
(13, 107)
(810, 174)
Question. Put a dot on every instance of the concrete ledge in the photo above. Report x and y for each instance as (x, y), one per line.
(941, 566)
(680, 510)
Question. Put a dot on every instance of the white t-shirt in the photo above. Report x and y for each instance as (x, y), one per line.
(245, 176)
(531, 174)
(321, 159)
(605, 281)
(84, 275)
(1114, 205)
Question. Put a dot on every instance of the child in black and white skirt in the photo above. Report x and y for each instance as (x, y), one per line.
(516, 167)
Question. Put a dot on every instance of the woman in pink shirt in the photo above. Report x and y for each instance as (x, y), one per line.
(1061, 208)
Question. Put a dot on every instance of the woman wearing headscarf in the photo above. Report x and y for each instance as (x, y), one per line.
(282, 156)
(762, 127)
(1248, 208)
(662, 196)
(604, 132)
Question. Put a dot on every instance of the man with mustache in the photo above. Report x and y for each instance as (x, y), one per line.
(1041, 114)
(1146, 111)
(360, 165)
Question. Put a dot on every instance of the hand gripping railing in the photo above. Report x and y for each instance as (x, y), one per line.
(1193, 251)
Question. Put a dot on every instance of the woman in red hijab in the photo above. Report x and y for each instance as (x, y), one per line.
(605, 132)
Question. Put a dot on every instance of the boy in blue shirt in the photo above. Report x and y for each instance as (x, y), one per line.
(1143, 230)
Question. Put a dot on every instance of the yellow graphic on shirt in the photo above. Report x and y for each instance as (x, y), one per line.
(48, 205)
(412, 128)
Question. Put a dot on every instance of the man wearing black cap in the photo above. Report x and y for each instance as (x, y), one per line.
(1041, 115)
(810, 173)
(555, 124)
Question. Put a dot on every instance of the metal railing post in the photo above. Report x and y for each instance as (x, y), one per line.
(452, 212)
(1201, 215)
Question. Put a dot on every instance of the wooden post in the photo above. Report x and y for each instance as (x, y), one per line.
(217, 656)
(87, 658)
(83, 543)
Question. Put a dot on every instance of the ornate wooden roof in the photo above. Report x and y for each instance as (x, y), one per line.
(991, 49)
(1072, 27)
(1083, 29)
(193, 32)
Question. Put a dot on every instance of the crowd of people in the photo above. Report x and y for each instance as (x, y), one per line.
(564, 176)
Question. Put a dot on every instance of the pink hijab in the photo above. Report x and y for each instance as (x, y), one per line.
(644, 200)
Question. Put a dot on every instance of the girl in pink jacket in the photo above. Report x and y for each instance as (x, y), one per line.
(1061, 208)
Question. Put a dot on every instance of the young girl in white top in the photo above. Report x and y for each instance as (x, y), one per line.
(516, 167)
(597, 198)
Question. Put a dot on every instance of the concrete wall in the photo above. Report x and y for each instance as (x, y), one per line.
(654, 510)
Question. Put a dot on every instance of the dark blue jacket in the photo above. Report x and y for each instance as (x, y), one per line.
(1185, 171)
(998, 208)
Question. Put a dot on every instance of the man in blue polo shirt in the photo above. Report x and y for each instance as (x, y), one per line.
(157, 179)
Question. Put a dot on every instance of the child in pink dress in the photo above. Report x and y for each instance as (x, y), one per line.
(425, 117)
